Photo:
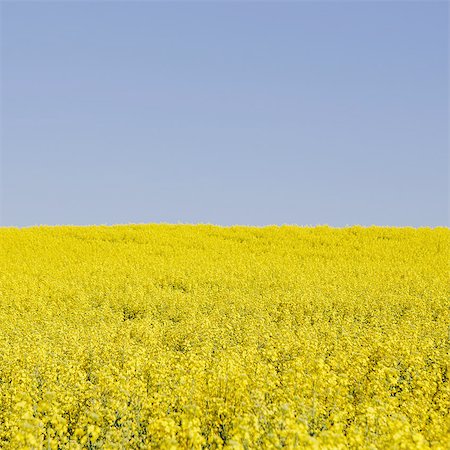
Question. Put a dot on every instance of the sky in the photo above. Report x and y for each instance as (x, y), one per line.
(251, 113)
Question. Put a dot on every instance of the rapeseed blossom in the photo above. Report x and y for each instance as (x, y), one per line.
(197, 336)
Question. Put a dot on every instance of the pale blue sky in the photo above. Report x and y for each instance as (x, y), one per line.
(228, 113)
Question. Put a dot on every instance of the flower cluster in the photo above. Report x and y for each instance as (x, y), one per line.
(197, 336)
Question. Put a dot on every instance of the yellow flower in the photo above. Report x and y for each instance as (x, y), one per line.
(182, 336)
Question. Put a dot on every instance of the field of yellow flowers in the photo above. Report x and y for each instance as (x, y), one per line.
(197, 336)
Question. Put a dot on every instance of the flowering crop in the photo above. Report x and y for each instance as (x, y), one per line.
(197, 336)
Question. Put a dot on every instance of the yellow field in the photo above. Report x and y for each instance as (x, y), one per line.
(178, 336)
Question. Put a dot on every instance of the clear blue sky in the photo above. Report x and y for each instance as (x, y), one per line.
(228, 113)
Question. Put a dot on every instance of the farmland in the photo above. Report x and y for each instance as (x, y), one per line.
(198, 336)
